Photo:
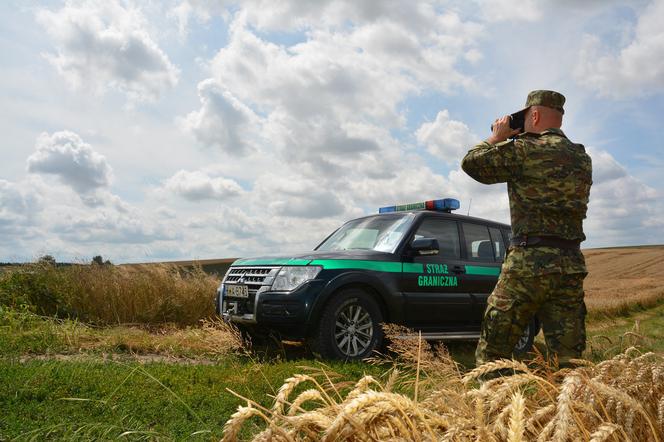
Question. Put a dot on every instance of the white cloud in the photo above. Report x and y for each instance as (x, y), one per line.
(446, 138)
(302, 15)
(605, 167)
(329, 102)
(197, 186)
(104, 44)
(635, 69)
(508, 10)
(371, 66)
(223, 121)
(291, 195)
(104, 198)
(248, 232)
(202, 10)
(19, 209)
(622, 209)
(327, 147)
(105, 226)
(328, 106)
(74, 162)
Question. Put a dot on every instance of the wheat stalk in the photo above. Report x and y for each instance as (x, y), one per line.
(313, 421)
(307, 395)
(489, 367)
(287, 388)
(236, 421)
(361, 386)
(538, 416)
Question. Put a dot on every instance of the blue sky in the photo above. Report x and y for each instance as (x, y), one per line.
(192, 129)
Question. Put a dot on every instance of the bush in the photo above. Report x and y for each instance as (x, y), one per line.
(36, 287)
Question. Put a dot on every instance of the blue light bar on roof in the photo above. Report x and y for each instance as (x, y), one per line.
(443, 205)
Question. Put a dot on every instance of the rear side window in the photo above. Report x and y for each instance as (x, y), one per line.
(498, 245)
(447, 234)
(478, 242)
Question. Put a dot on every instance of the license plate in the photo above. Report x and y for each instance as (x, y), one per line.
(237, 291)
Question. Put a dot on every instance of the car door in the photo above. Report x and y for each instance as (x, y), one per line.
(436, 297)
(484, 252)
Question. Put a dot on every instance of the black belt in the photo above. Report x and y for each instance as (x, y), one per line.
(545, 241)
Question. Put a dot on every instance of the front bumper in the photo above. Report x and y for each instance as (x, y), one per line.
(285, 312)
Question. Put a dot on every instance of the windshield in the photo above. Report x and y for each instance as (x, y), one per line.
(381, 233)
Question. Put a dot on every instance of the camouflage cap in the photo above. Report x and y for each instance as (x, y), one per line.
(550, 99)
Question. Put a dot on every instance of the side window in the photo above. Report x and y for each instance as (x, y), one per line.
(447, 234)
(498, 245)
(478, 242)
(507, 236)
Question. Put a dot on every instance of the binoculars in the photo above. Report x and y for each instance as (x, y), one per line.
(517, 120)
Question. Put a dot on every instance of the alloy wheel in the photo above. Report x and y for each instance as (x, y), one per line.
(353, 330)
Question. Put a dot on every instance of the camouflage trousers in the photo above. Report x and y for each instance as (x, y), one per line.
(557, 301)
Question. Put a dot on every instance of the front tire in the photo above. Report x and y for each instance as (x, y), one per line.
(350, 326)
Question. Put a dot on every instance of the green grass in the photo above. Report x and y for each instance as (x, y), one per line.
(105, 399)
(609, 335)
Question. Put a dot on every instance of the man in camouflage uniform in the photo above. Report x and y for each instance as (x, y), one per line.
(548, 181)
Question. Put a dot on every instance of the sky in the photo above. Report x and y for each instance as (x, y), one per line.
(195, 129)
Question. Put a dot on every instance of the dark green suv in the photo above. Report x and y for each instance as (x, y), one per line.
(418, 265)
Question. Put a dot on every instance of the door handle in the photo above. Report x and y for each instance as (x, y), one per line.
(458, 269)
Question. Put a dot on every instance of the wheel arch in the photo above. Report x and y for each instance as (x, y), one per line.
(375, 288)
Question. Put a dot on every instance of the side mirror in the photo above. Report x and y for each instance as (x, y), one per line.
(425, 246)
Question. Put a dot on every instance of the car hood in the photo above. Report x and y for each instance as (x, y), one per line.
(315, 256)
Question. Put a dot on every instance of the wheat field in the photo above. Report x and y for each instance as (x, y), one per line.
(620, 277)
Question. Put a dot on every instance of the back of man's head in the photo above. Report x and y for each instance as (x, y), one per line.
(540, 118)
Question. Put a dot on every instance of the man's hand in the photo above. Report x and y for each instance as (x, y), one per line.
(501, 130)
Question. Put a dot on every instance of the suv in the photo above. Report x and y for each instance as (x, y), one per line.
(417, 265)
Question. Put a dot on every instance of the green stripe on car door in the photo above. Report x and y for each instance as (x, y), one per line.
(379, 266)
(409, 267)
(481, 270)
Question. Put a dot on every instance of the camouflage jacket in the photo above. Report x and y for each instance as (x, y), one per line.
(548, 181)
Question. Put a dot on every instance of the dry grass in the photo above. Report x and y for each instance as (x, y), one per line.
(107, 294)
(620, 278)
(31, 335)
(141, 294)
(617, 399)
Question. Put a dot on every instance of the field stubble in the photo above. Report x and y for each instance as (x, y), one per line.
(620, 279)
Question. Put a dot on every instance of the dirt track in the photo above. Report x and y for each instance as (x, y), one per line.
(619, 276)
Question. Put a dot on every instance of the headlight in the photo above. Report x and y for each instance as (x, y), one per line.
(291, 277)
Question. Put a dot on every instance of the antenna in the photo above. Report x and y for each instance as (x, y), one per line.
(469, 204)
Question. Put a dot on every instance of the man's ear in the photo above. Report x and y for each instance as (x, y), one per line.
(535, 116)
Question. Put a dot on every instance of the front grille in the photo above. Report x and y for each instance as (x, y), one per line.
(250, 275)
(254, 278)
